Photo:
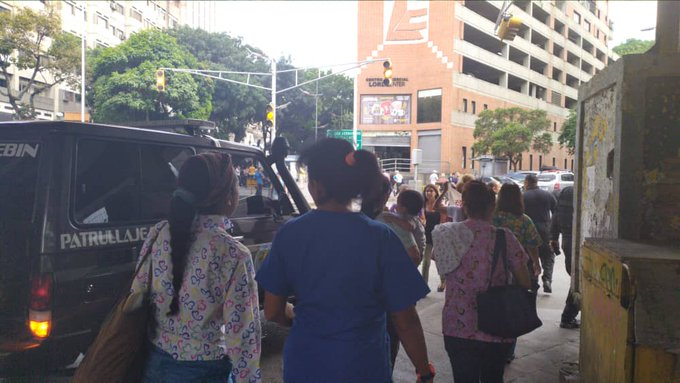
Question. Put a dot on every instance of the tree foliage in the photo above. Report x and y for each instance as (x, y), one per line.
(508, 132)
(633, 46)
(567, 137)
(124, 81)
(34, 41)
(234, 105)
(334, 101)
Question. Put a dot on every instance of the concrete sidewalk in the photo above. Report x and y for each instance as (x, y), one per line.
(539, 355)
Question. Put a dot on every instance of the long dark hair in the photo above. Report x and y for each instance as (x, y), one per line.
(204, 186)
(510, 200)
(372, 205)
(344, 173)
(436, 194)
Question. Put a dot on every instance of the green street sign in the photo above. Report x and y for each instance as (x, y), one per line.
(345, 134)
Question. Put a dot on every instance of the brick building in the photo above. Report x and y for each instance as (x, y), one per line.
(448, 66)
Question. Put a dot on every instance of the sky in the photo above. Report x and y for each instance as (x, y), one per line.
(322, 33)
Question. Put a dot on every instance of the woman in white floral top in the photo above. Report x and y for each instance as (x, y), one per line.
(203, 292)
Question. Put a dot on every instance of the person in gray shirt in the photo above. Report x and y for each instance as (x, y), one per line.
(539, 205)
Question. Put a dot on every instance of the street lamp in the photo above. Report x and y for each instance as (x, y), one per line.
(316, 109)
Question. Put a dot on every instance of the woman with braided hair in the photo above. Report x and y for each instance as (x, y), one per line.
(203, 295)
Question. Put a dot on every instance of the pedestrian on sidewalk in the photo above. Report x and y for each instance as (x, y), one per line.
(562, 224)
(510, 215)
(464, 252)
(431, 208)
(345, 271)
(539, 205)
(203, 281)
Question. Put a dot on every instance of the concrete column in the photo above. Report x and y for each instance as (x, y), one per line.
(503, 80)
(667, 27)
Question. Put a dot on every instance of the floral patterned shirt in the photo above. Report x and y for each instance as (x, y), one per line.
(522, 227)
(218, 303)
(459, 317)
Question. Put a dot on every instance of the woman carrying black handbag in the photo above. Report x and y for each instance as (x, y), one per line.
(464, 253)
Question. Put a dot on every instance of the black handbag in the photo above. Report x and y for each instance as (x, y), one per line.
(506, 310)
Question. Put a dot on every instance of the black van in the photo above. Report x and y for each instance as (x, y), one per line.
(77, 200)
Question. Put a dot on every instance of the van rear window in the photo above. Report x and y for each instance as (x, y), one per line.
(122, 182)
(546, 177)
(19, 174)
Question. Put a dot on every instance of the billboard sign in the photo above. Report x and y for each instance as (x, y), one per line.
(386, 109)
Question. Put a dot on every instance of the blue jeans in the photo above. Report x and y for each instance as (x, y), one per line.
(161, 367)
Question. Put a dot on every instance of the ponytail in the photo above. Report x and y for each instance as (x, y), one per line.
(205, 183)
(181, 217)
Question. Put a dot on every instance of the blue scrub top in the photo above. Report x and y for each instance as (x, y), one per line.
(346, 271)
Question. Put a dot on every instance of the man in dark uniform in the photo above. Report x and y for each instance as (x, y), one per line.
(562, 224)
(539, 205)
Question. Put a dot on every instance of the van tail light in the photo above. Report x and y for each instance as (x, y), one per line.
(557, 186)
(40, 302)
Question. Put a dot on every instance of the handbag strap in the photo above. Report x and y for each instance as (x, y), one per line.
(498, 251)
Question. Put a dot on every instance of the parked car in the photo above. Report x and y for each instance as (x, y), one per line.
(519, 176)
(555, 181)
(76, 202)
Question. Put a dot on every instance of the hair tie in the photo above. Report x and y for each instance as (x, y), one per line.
(349, 159)
(184, 195)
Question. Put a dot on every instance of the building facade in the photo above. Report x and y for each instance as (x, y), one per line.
(448, 66)
(105, 24)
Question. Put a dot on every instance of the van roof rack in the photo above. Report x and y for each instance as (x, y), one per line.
(193, 127)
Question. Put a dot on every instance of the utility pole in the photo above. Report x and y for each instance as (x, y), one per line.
(82, 62)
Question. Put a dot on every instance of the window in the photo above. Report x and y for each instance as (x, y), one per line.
(117, 8)
(474, 107)
(429, 106)
(102, 21)
(138, 185)
(486, 107)
(135, 14)
(572, 165)
(577, 18)
(553, 161)
(540, 162)
(68, 96)
(531, 162)
(464, 157)
(256, 179)
(472, 161)
(465, 105)
(3, 83)
(586, 24)
(554, 126)
(568, 177)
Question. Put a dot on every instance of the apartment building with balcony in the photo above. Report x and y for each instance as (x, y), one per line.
(449, 66)
(105, 24)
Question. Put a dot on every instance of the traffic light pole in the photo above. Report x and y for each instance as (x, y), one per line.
(217, 75)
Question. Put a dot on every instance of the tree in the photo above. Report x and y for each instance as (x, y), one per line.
(234, 105)
(34, 41)
(124, 81)
(633, 46)
(508, 132)
(567, 137)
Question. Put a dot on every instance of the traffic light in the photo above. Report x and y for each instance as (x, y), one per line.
(160, 80)
(508, 28)
(269, 115)
(387, 73)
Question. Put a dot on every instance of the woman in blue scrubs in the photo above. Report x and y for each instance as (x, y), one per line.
(345, 271)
